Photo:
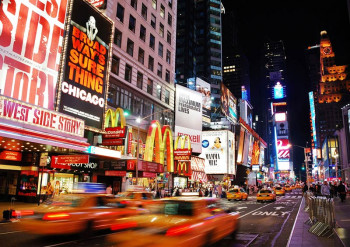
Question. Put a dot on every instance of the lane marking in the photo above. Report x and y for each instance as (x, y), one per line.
(296, 218)
(79, 241)
(253, 211)
(3, 233)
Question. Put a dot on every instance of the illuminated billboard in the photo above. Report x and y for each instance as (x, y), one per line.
(30, 49)
(256, 153)
(84, 74)
(313, 118)
(280, 117)
(188, 116)
(229, 104)
(219, 152)
(278, 91)
(204, 88)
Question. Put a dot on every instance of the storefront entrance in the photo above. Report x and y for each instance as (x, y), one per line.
(115, 182)
(8, 184)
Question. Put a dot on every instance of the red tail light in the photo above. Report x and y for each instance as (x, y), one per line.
(178, 230)
(22, 213)
(122, 226)
(56, 216)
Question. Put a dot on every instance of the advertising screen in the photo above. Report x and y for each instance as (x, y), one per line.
(240, 146)
(215, 144)
(282, 129)
(313, 118)
(85, 65)
(256, 153)
(278, 91)
(283, 149)
(246, 148)
(30, 49)
(188, 116)
(250, 150)
(229, 104)
(204, 88)
(231, 153)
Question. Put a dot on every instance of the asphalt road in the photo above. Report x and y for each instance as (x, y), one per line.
(261, 224)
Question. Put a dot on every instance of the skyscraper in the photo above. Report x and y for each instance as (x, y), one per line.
(199, 45)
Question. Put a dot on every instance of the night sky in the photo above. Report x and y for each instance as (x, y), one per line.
(298, 24)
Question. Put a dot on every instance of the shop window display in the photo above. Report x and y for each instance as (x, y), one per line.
(28, 182)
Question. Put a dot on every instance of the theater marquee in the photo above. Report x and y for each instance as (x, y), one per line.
(85, 64)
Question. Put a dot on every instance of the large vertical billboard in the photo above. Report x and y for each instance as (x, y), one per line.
(204, 88)
(188, 116)
(83, 82)
(229, 104)
(313, 118)
(30, 48)
(218, 150)
(283, 154)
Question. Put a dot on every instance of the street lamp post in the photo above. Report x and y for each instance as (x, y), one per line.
(306, 164)
(138, 120)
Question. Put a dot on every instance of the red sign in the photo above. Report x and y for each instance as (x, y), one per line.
(97, 3)
(183, 168)
(149, 174)
(150, 166)
(70, 159)
(79, 166)
(283, 149)
(10, 155)
(129, 142)
(130, 165)
(113, 142)
(115, 173)
(182, 154)
(115, 132)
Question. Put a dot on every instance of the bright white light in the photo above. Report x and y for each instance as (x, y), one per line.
(154, 125)
(138, 120)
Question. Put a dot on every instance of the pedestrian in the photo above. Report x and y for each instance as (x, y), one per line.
(109, 190)
(342, 191)
(49, 190)
(325, 191)
(305, 189)
(206, 192)
(219, 189)
(332, 190)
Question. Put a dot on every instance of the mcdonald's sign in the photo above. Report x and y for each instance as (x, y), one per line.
(183, 168)
(113, 131)
(182, 153)
(112, 118)
(158, 140)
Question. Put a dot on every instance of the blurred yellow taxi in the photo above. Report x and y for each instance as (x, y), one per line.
(135, 198)
(182, 221)
(266, 195)
(279, 191)
(236, 194)
(75, 213)
(288, 188)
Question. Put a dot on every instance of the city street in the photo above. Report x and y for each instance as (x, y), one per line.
(261, 224)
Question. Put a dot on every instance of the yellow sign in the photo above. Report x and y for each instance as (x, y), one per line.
(183, 140)
(112, 118)
(157, 140)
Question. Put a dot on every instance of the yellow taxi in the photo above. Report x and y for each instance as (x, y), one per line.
(135, 198)
(236, 194)
(288, 188)
(74, 213)
(181, 221)
(266, 195)
(279, 191)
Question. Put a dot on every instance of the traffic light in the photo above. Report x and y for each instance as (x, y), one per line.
(126, 113)
(303, 168)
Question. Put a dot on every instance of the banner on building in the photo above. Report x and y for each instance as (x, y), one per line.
(83, 84)
(30, 49)
(228, 104)
(204, 88)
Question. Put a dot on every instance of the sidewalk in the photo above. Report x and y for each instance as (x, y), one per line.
(17, 206)
(302, 237)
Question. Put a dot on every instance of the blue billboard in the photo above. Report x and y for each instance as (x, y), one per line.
(313, 117)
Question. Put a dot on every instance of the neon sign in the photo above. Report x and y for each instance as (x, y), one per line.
(278, 92)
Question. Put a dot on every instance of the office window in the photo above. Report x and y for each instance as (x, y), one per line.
(150, 63)
(118, 37)
(142, 33)
(160, 70)
(144, 11)
(159, 92)
(151, 41)
(161, 29)
(168, 55)
(115, 65)
(167, 96)
(170, 19)
(132, 23)
(162, 11)
(167, 75)
(120, 13)
(139, 80)
(112, 94)
(153, 21)
(170, 3)
(141, 57)
(149, 86)
(154, 4)
(128, 71)
(130, 47)
(133, 3)
(168, 37)
(160, 49)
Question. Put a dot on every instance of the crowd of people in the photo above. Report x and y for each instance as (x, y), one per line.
(329, 190)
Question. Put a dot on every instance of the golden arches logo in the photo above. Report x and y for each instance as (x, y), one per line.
(113, 118)
(159, 139)
(183, 168)
(183, 140)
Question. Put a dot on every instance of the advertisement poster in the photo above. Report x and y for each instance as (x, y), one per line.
(188, 116)
(30, 49)
(215, 144)
(231, 153)
(250, 150)
(229, 104)
(240, 146)
(246, 148)
(204, 88)
(83, 86)
(256, 153)
(283, 154)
